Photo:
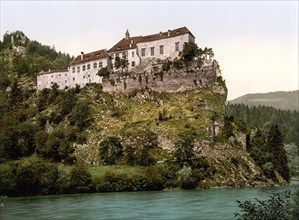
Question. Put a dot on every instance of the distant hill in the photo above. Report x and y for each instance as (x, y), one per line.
(280, 100)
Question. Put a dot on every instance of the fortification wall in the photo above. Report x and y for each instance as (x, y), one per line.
(171, 81)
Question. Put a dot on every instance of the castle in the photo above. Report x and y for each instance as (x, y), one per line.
(84, 68)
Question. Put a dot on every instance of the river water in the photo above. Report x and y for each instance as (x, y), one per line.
(177, 204)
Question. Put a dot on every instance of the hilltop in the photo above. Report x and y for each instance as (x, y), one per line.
(280, 100)
(90, 140)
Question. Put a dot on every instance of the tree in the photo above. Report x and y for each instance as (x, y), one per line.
(228, 128)
(184, 152)
(279, 157)
(104, 72)
(205, 52)
(110, 150)
(189, 52)
(138, 146)
(121, 62)
(80, 115)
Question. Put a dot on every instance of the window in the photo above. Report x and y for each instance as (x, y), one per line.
(65, 74)
(152, 51)
(52, 76)
(51, 82)
(88, 66)
(73, 69)
(124, 55)
(83, 77)
(59, 75)
(83, 68)
(78, 69)
(100, 64)
(95, 65)
(73, 78)
(177, 44)
(133, 53)
(65, 81)
(133, 63)
(161, 49)
(88, 75)
(142, 52)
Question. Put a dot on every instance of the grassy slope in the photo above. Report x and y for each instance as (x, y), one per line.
(120, 115)
(125, 114)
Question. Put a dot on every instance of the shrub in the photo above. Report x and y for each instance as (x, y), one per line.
(110, 150)
(166, 66)
(276, 207)
(80, 179)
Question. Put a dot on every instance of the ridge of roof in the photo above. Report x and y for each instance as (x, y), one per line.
(90, 56)
(131, 42)
(42, 72)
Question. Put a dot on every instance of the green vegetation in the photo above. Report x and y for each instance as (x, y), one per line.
(279, 206)
(121, 63)
(104, 72)
(263, 118)
(85, 140)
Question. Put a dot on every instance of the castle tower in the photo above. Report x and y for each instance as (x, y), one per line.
(127, 34)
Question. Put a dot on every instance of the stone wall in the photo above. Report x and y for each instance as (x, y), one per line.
(171, 81)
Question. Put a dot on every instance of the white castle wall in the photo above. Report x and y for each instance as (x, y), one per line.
(168, 47)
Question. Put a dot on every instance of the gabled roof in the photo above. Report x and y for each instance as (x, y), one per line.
(90, 56)
(49, 72)
(131, 42)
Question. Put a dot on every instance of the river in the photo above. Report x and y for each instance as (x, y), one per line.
(177, 204)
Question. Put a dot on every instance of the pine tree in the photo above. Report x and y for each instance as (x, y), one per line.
(279, 157)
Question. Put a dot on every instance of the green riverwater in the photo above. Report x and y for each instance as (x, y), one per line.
(178, 204)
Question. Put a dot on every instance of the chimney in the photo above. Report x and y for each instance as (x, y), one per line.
(168, 34)
(82, 54)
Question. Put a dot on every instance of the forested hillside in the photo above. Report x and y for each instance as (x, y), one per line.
(279, 100)
(263, 117)
(36, 57)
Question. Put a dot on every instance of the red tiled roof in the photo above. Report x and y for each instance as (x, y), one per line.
(53, 71)
(90, 56)
(131, 42)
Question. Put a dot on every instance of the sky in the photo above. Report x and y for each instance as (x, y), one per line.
(255, 42)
